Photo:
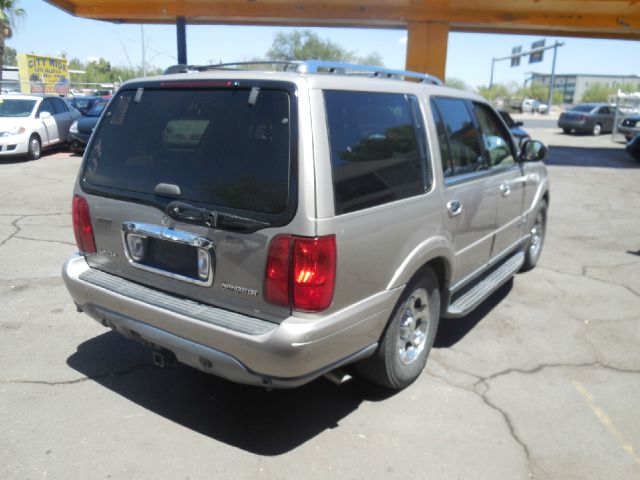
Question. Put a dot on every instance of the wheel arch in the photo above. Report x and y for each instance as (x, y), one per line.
(435, 253)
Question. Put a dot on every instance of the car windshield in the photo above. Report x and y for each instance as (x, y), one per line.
(97, 109)
(222, 147)
(583, 108)
(15, 107)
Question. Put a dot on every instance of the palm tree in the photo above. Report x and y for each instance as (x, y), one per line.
(10, 13)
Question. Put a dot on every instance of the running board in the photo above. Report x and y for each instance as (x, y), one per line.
(485, 287)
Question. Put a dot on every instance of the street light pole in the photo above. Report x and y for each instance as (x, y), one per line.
(144, 59)
(493, 62)
(553, 77)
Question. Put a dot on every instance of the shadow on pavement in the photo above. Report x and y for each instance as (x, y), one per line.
(452, 330)
(49, 152)
(590, 157)
(249, 418)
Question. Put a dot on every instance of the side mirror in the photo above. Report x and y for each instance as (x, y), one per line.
(44, 115)
(519, 124)
(533, 151)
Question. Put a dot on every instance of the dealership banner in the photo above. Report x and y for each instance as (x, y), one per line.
(40, 74)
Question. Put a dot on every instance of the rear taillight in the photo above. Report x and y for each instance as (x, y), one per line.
(82, 225)
(301, 272)
(276, 289)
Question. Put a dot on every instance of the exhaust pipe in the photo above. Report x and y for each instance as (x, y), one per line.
(338, 376)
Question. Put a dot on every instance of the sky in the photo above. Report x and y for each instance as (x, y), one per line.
(47, 30)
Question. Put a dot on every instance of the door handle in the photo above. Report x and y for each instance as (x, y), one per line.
(505, 189)
(454, 207)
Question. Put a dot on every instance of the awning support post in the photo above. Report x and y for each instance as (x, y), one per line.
(181, 33)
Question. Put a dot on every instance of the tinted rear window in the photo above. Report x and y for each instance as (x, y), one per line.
(375, 153)
(218, 147)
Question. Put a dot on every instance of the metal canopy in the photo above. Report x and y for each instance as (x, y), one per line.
(590, 18)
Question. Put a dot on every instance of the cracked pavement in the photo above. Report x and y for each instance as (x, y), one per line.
(541, 381)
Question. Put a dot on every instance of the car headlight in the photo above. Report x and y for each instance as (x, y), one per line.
(74, 127)
(13, 131)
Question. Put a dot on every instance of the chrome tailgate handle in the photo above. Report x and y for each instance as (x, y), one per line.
(454, 207)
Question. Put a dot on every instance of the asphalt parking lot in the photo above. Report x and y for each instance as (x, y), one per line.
(541, 382)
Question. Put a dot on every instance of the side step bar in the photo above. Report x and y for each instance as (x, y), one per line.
(471, 298)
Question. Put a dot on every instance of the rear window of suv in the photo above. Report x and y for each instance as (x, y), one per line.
(228, 147)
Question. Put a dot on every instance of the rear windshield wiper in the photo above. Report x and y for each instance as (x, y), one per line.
(212, 219)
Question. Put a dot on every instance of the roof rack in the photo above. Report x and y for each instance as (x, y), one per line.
(313, 66)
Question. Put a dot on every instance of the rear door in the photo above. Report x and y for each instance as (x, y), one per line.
(63, 118)
(508, 180)
(216, 147)
(469, 195)
(49, 124)
(605, 117)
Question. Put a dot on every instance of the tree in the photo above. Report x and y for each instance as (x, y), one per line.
(494, 92)
(307, 45)
(101, 71)
(597, 92)
(600, 92)
(10, 13)
(9, 57)
(539, 91)
(457, 83)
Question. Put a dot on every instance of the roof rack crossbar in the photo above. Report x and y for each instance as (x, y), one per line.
(314, 66)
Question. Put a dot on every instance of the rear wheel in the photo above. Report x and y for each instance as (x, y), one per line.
(597, 129)
(409, 336)
(34, 149)
(566, 130)
(536, 239)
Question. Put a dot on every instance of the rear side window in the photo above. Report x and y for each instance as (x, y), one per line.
(378, 148)
(221, 147)
(59, 106)
(458, 137)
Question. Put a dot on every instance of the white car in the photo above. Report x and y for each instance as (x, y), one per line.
(29, 123)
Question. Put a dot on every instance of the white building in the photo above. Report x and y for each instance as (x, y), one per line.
(573, 85)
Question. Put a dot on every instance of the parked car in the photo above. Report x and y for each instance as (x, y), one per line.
(633, 147)
(83, 103)
(271, 227)
(515, 127)
(81, 129)
(594, 118)
(29, 123)
(529, 105)
(630, 126)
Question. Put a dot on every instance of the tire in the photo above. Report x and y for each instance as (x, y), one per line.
(408, 337)
(597, 129)
(566, 131)
(534, 246)
(34, 149)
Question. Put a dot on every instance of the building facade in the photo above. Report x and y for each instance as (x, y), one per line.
(572, 86)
